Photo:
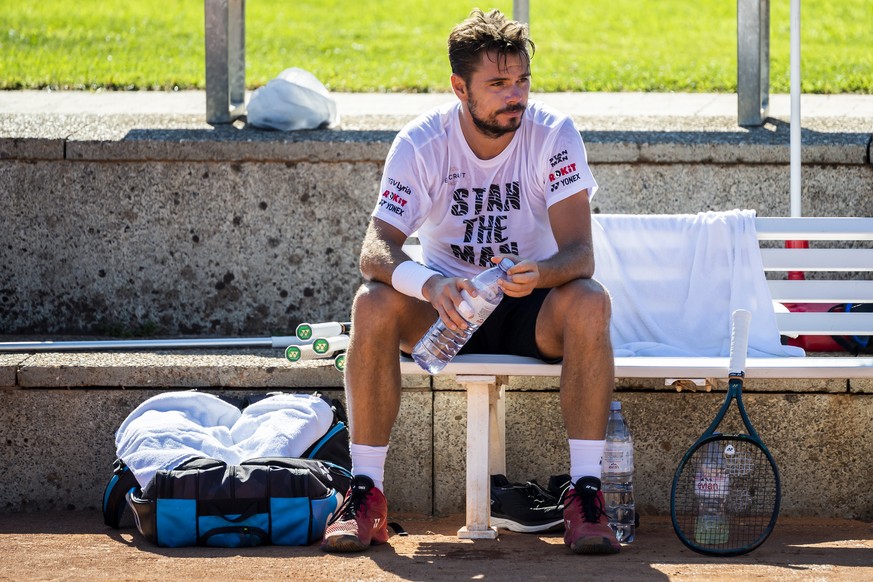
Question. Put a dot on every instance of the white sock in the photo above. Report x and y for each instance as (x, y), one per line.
(369, 461)
(585, 458)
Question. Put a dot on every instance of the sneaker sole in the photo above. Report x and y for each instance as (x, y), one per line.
(343, 544)
(521, 528)
(594, 545)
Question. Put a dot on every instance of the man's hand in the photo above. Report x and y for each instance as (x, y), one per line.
(444, 293)
(523, 276)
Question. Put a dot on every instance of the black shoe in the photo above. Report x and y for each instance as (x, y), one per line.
(525, 508)
(558, 485)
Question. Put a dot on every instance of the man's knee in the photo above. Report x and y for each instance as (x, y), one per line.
(584, 300)
(375, 300)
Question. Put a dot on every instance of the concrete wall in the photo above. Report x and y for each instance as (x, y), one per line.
(59, 412)
(111, 226)
(125, 230)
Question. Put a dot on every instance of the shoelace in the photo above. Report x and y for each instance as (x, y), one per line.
(592, 509)
(352, 503)
(350, 506)
(539, 495)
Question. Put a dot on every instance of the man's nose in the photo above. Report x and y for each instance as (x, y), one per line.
(514, 94)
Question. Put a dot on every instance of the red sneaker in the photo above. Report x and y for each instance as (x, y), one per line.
(586, 530)
(361, 520)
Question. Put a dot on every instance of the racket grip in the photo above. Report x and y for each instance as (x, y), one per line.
(741, 321)
(324, 345)
(309, 331)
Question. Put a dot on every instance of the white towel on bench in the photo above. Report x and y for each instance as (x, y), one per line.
(675, 280)
(168, 429)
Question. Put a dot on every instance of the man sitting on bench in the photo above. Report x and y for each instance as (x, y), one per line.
(487, 176)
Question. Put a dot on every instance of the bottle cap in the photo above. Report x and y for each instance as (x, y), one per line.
(505, 264)
(615, 405)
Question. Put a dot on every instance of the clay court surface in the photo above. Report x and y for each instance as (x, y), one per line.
(75, 545)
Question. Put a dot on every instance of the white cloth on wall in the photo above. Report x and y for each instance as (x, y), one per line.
(675, 280)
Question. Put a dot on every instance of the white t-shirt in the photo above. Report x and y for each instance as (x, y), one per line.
(467, 210)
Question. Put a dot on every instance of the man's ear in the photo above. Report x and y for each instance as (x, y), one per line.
(459, 86)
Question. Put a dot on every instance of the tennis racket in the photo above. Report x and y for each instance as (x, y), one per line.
(726, 493)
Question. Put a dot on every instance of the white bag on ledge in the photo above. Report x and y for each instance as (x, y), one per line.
(293, 100)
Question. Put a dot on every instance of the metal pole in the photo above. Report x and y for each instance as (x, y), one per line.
(795, 108)
(279, 342)
(225, 60)
(753, 61)
(521, 11)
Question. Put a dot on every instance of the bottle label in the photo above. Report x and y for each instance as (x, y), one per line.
(618, 458)
(480, 311)
(711, 483)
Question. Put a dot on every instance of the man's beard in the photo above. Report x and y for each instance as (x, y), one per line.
(490, 126)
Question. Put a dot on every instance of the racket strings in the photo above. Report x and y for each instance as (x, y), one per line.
(726, 496)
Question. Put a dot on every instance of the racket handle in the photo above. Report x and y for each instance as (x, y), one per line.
(324, 345)
(340, 361)
(741, 321)
(309, 331)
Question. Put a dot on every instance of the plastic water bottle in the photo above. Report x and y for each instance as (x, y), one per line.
(711, 486)
(617, 483)
(440, 344)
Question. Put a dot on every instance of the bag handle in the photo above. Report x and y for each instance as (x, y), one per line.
(254, 535)
(115, 494)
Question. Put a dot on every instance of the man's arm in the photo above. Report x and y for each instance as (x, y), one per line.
(570, 220)
(382, 252)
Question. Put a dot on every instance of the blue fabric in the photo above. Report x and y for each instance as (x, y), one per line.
(176, 522)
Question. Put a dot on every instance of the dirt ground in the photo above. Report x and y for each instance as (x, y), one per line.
(77, 546)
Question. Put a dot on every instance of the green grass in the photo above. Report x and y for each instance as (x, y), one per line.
(363, 45)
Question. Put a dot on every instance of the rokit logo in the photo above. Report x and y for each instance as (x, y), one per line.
(392, 202)
(563, 177)
(565, 171)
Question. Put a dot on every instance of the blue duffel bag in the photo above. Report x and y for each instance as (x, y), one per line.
(207, 502)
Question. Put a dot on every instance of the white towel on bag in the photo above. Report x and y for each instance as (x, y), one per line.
(168, 429)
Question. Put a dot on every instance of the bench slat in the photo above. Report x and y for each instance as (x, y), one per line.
(814, 228)
(825, 323)
(662, 367)
(830, 291)
(817, 259)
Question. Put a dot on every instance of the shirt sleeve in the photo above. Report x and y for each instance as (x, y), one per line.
(566, 169)
(403, 197)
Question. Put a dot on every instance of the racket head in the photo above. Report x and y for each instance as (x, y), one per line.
(725, 496)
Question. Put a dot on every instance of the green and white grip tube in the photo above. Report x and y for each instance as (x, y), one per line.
(308, 331)
(323, 347)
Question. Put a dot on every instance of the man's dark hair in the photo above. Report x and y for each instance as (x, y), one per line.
(486, 33)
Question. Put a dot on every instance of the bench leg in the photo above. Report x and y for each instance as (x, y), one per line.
(485, 450)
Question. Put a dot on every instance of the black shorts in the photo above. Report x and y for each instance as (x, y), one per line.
(511, 328)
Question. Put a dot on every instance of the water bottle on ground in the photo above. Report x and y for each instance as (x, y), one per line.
(440, 344)
(711, 486)
(617, 483)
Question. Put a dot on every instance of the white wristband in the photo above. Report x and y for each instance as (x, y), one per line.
(409, 278)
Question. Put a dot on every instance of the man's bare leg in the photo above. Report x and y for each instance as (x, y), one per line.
(574, 323)
(383, 321)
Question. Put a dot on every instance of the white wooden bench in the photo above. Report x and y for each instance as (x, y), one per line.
(484, 377)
